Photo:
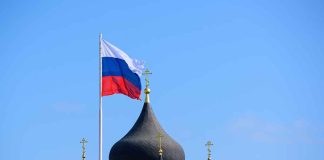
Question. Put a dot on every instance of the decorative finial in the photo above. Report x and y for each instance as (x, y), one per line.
(147, 83)
(209, 144)
(160, 136)
(83, 141)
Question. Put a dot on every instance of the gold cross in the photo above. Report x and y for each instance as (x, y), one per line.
(160, 135)
(146, 73)
(209, 144)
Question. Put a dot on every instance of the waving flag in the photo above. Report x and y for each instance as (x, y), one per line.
(120, 73)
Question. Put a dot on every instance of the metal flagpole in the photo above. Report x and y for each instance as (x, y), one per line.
(100, 99)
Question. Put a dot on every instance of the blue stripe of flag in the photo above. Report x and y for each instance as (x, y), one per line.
(118, 67)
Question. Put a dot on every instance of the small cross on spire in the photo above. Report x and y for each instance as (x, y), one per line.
(209, 144)
(84, 142)
(147, 73)
(147, 83)
(160, 136)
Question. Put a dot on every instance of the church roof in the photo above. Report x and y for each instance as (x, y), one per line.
(141, 142)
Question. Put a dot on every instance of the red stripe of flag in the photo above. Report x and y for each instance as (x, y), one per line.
(118, 84)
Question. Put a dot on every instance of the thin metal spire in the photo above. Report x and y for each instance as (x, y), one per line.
(147, 90)
(160, 136)
(84, 142)
(209, 144)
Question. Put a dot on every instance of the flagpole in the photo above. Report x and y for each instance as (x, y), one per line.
(100, 99)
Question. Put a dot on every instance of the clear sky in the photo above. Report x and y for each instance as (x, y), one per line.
(248, 75)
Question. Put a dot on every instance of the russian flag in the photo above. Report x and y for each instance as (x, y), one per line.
(120, 73)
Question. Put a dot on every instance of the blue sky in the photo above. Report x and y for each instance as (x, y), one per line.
(247, 75)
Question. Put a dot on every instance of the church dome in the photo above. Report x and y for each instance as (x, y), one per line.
(142, 143)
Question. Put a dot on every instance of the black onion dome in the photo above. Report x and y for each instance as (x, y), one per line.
(141, 142)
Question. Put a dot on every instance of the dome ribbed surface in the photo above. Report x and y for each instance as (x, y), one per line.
(141, 142)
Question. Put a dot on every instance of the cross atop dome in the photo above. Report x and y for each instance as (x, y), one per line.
(147, 83)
